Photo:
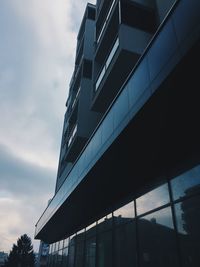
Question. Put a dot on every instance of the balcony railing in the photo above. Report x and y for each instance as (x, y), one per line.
(63, 151)
(79, 52)
(106, 21)
(107, 64)
(76, 97)
(75, 73)
(72, 135)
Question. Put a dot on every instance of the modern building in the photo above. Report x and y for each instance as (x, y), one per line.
(128, 183)
(42, 259)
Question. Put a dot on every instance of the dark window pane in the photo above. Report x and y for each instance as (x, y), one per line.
(124, 214)
(50, 260)
(90, 230)
(157, 240)
(125, 245)
(65, 257)
(153, 199)
(80, 237)
(104, 249)
(59, 259)
(79, 261)
(104, 224)
(188, 224)
(87, 69)
(54, 259)
(71, 255)
(186, 184)
(132, 13)
(91, 13)
(90, 252)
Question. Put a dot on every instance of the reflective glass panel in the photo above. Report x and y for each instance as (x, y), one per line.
(71, 255)
(188, 222)
(100, 78)
(186, 184)
(104, 247)
(108, 216)
(125, 245)
(59, 258)
(80, 236)
(101, 220)
(60, 244)
(157, 239)
(54, 258)
(49, 260)
(153, 199)
(90, 252)
(127, 211)
(65, 257)
(104, 224)
(66, 242)
(53, 247)
(57, 246)
(79, 261)
(124, 214)
(112, 53)
(91, 230)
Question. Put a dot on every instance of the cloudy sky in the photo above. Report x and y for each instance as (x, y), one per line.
(37, 45)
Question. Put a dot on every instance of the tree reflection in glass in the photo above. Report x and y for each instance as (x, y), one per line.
(182, 184)
(188, 223)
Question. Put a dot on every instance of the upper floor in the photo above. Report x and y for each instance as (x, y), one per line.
(79, 120)
(123, 30)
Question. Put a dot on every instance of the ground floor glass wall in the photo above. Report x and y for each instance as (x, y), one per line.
(158, 229)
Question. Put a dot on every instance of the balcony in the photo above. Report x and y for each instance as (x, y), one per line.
(79, 52)
(74, 144)
(126, 12)
(112, 76)
(120, 42)
(90, 14)
(134, 123)
(75, 99)
(102, 7)
(74, 138)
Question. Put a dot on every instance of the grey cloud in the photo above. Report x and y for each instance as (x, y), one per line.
(24, 191)
(23, 179)
(30, 66)
(37, 49)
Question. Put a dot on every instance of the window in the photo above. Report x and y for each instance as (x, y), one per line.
(153, 199)
(157, 243)
(188, 222)
(186, 184)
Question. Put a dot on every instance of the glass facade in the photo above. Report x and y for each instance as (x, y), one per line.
(160, 228)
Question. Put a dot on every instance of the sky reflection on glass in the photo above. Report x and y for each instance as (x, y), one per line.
(153, 199)
(162, 217)
(126, 211)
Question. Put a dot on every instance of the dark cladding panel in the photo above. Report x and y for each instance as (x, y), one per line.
(121, 109)
(165, 46)
(138, 83)
(190, 25)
